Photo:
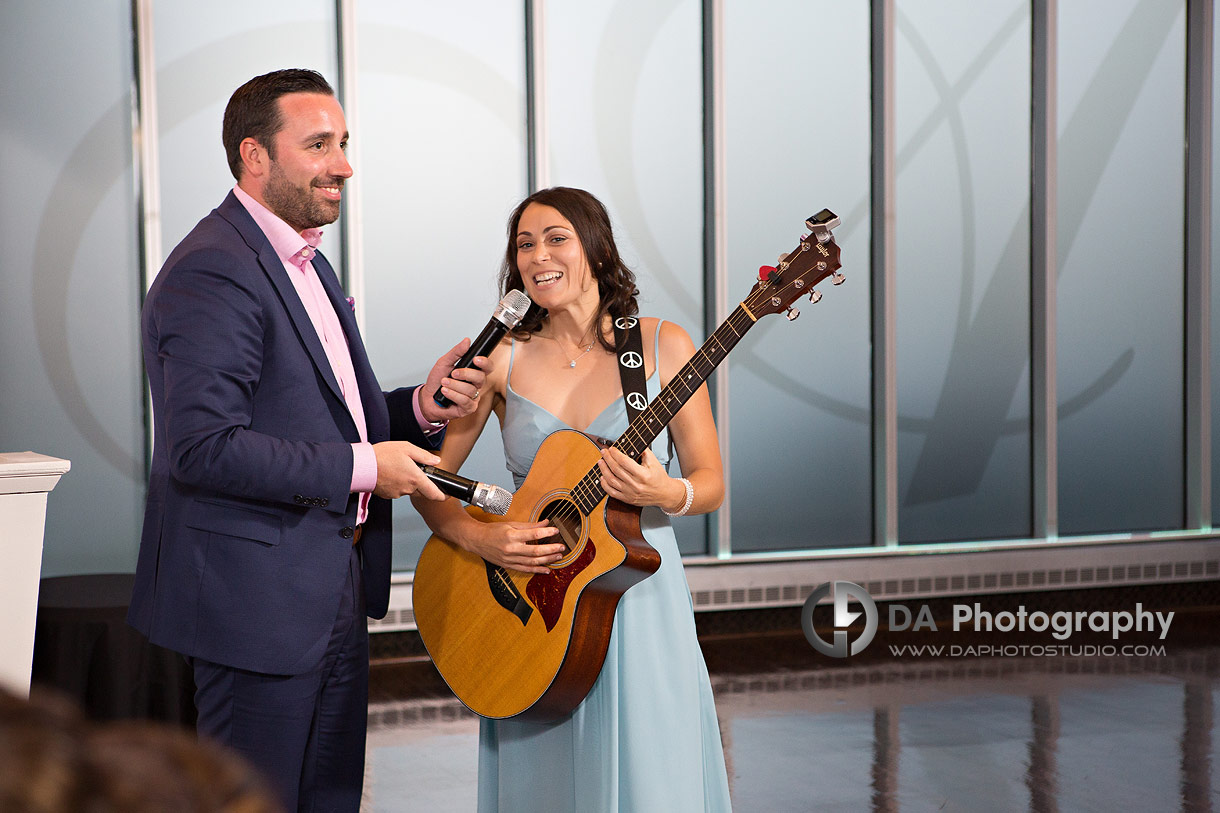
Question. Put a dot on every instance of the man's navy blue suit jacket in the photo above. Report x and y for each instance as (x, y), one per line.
(247, 529)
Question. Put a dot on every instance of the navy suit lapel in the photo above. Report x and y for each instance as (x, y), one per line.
(232, 210)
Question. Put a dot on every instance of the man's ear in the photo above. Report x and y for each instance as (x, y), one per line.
(253, 157)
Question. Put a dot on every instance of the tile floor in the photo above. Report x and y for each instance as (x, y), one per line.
(1046, 735)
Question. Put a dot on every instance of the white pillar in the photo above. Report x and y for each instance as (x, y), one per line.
(25, 480)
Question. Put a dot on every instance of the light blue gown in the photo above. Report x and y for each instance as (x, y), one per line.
(646, 738)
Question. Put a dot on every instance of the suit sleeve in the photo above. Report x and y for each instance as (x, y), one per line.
(403, 423)
(209, 334)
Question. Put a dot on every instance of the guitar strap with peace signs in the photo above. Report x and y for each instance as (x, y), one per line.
(631, 364)
(630, 344)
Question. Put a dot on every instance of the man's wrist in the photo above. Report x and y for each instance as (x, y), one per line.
(428, 427)
(364, 467)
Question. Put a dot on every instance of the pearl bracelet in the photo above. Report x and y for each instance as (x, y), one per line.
(690, 498)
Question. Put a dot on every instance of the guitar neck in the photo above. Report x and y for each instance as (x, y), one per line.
(648, 424)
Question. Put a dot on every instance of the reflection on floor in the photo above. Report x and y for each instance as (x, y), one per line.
(1036, 732)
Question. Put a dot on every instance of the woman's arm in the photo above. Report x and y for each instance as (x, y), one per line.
(510, 544)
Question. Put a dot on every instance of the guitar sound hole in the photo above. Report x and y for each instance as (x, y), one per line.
(565, 516)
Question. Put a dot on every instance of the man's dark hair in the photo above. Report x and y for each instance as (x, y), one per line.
(254, 111)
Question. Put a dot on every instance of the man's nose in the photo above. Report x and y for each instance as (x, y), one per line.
(341, 167)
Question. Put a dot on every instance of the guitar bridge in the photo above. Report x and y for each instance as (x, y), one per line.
(506, 593)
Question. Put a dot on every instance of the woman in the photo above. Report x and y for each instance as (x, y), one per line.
(646, 736)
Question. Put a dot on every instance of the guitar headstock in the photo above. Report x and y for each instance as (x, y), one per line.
(814, 259)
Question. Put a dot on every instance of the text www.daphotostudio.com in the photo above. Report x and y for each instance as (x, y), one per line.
(856, 619)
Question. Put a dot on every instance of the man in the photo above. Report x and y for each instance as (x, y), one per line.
(263, 549)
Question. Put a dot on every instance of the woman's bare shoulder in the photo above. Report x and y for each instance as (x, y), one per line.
(673, 336)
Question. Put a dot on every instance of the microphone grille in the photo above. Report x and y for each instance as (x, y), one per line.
(495, 500)
(515, 304)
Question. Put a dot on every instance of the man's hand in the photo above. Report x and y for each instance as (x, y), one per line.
(460, 386)
(398, 471)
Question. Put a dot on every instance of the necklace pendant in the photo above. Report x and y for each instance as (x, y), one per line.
(572, 363)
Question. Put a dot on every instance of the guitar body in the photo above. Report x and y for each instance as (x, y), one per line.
(510, 643)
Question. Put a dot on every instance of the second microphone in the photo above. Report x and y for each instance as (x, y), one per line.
(491, 498)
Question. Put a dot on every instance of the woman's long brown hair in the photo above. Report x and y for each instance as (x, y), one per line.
(615, 281)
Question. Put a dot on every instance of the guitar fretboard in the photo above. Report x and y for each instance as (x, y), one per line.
(648, 424)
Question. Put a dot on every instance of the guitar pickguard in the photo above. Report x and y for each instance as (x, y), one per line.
(548, 590)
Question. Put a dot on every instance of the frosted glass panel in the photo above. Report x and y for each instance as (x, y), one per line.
(624, 121)
(440, 160)
(204, 52)
(962, 140)
(70, 381)
(797, 121)
(1121, 190)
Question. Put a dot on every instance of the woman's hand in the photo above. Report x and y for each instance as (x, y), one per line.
(644, 483)
(516, 545)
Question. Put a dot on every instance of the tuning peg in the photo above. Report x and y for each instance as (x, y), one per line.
(815, 296)
(838, 278)
(792, 314)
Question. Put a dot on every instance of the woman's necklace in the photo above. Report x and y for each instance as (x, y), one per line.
(572, 362)
(579, 356)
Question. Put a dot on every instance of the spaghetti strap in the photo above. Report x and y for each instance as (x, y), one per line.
(508, 377)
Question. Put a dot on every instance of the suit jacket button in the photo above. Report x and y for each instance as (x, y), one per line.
(348, 532)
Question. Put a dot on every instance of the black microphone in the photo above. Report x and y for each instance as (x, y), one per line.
(508, 315)
(492, 499)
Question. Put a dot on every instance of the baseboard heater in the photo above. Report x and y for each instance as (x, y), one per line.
(750, 582)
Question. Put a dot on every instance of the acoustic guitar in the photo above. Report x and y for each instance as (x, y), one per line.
(511, 643)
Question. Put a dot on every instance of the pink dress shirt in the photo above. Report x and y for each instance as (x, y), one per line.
(296, 252)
